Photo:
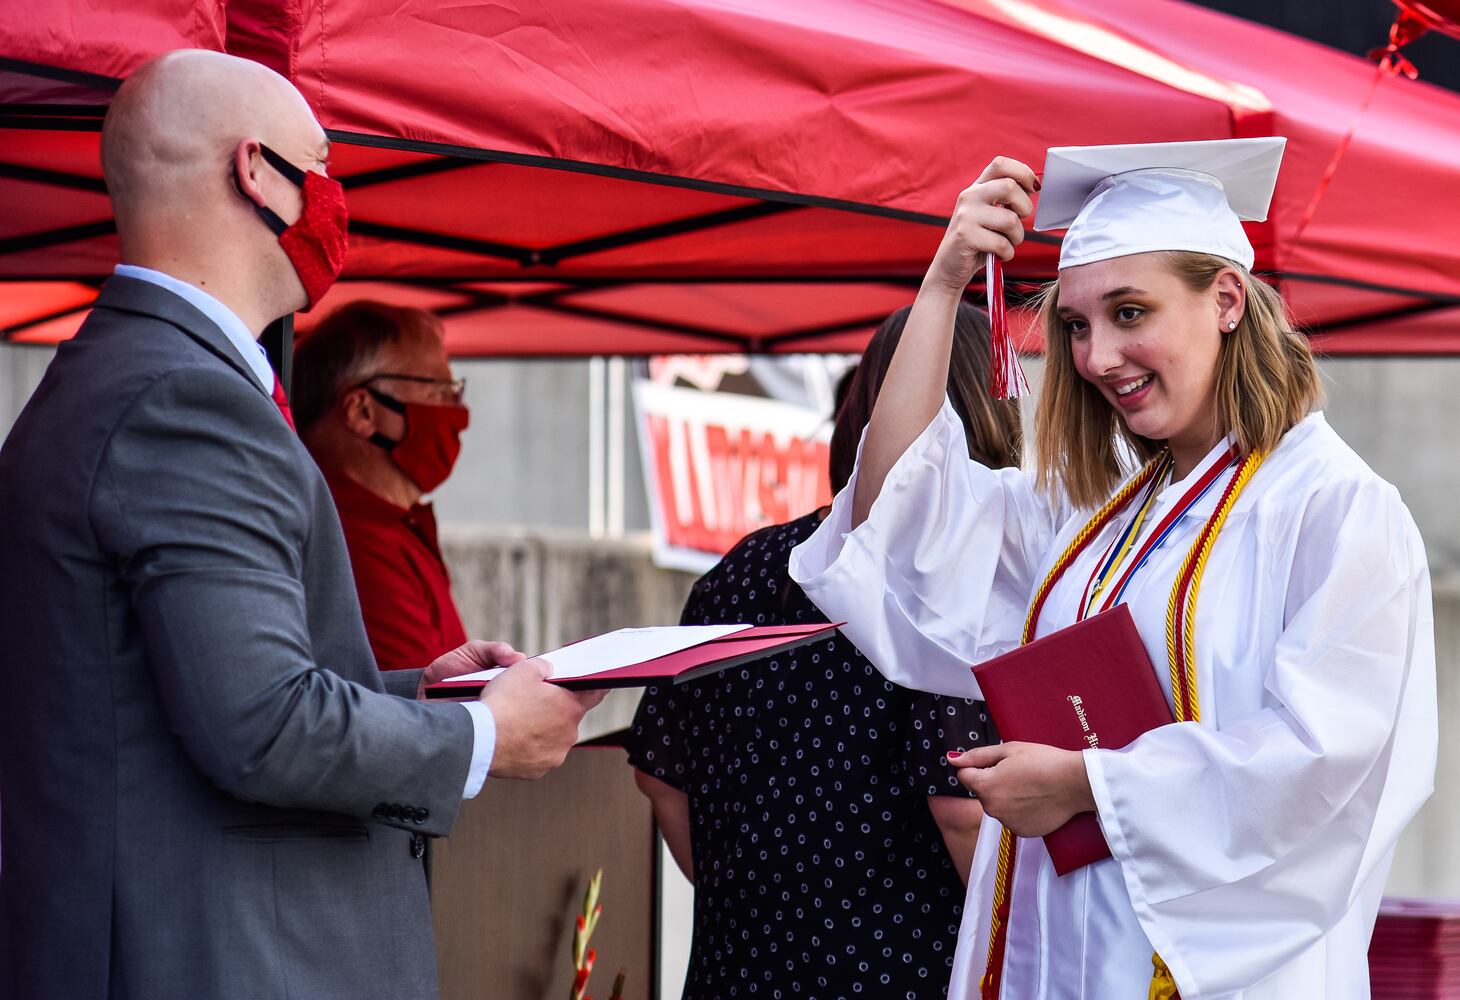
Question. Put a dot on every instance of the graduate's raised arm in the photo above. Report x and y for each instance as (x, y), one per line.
(985, 220)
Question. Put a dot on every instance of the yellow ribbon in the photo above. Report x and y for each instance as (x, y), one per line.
(1163, 984)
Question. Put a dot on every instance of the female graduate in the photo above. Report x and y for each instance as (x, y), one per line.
(1278, 584)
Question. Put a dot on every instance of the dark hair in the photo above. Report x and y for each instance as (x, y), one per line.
(342, 351)
(991, 426)
(843, 386)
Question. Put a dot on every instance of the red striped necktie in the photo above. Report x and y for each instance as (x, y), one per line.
(282, 402)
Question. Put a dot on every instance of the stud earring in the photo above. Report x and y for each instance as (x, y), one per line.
(1231, 325)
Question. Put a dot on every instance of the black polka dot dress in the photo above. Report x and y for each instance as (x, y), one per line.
(819, 871)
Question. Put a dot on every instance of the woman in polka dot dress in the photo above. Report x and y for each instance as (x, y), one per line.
(804, 795)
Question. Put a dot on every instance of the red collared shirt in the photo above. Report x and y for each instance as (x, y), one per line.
(405, 591)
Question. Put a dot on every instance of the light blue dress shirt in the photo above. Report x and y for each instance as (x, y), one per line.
(224, 318)
(484, 726)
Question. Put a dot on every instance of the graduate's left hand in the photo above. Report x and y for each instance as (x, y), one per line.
(470, 656)
(1030, 788)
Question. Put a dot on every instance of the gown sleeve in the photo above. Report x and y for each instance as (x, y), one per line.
(939, 575)
(1242, 846)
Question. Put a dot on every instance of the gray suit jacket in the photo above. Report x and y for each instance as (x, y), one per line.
(205, 789)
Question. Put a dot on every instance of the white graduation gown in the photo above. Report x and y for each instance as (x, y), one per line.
(1249, 849)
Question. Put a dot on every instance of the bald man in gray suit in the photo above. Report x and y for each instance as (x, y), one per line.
(209, 791)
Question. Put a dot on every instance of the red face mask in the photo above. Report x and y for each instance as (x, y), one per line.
(316, 243)
(432, 442)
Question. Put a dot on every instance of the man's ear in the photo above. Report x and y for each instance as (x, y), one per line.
(358, 413)
(247, 161)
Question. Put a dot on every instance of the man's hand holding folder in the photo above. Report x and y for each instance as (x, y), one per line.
(543, 719)
(637, 657)
(536, 723)
(537, 703)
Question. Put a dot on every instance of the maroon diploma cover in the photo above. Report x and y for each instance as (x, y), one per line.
(1089, 685)
(712, 656)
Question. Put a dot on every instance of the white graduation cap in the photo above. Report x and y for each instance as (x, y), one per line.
(1121, 200)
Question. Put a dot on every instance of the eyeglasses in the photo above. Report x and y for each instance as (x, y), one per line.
(451, 390)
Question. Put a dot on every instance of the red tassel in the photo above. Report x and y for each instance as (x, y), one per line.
(1006, 375)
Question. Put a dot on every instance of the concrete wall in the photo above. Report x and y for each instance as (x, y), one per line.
(21, 368)
(525, 459)
(1428, 861)
(1403, 417)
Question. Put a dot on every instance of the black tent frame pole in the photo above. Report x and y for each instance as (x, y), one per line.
(278, 344)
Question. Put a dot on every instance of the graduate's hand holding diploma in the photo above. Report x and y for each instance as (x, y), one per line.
(1030, 788)
(986, 220)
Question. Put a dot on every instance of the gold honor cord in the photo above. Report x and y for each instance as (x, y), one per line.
(1182, 653)
(1182, 656)
(1004, 872)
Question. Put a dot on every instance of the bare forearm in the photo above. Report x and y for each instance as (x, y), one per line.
(674, 826)
(985, 220)
(958, 821)
(671, 815)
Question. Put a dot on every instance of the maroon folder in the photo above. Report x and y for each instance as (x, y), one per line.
(1089, 685)
(686, 665)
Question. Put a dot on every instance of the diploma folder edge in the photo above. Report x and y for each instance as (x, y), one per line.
(737, 648)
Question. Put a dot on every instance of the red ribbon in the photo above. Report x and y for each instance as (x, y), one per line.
(1219, 465)
(1389, 63)
(1006, 376)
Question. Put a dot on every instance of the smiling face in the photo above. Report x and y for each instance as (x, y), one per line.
(1150, 344)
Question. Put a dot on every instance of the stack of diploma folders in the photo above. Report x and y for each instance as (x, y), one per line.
(1415, 952)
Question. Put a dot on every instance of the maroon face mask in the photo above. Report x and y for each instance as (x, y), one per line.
(432, 442)
(316, 243)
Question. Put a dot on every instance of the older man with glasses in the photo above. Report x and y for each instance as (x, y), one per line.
(377, 406)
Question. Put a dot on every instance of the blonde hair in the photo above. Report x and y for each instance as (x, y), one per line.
(1266, 382)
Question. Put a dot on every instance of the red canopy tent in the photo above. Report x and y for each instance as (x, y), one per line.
(648, 176)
